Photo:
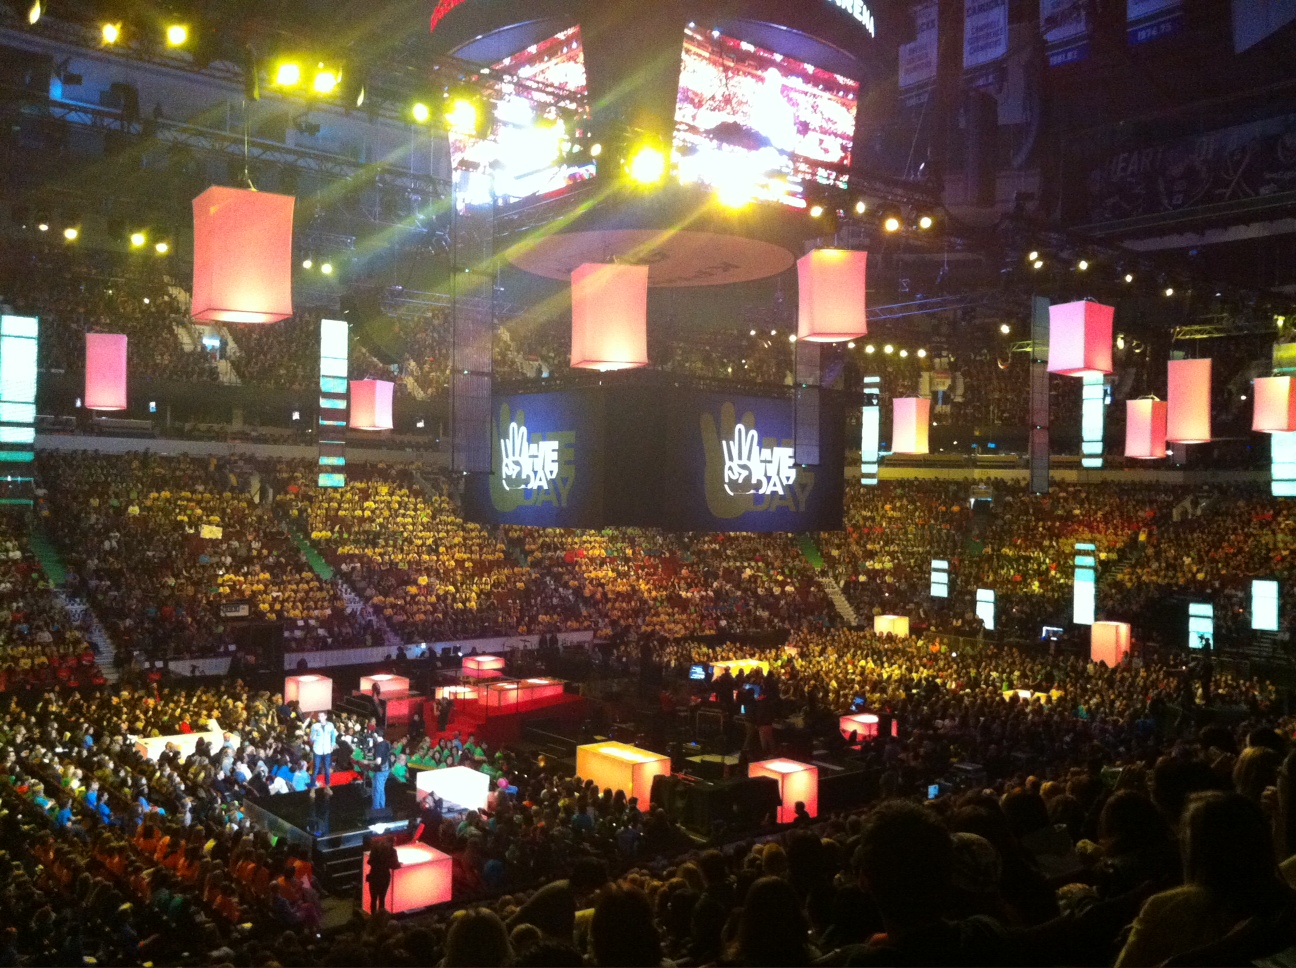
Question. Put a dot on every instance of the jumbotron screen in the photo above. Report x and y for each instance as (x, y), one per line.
(751, 117)
(525, 145)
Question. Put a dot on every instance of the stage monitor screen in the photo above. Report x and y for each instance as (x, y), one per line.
(749, 119)
(698, 672)
(527, 148)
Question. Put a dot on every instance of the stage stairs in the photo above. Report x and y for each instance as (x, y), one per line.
(810, 550)
(78, 610)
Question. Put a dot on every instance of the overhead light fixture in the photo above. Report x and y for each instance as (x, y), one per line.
(1129, 277)
(925, 222)
(870, 348)
(1082, 265)
(816, 211)
(861, 207)
(177, 34)
(326, 268)
(647, 165)
(462, 117)
(892, 224)
(137, 240)
(70, 233)
(326, 81)
(1038, 263)
(162, 248)
(888, 349)
(288, 74)
(904, 353)
(307, 263)
(421, 112)
(34, 12)
(110, 33)
(922, 354)
(1005, 328)
(850, 345)
(44, 226)
(596, 149)
(1169, 290)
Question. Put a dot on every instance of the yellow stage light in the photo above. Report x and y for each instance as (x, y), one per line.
(177, 34)
(287, 74)
(162, 248)
(307, 263)
(44, 226)
(647, 165)
(596, 149)
(925, 222)
(861, 207)
(325, 82)
(462, 117)
(71, 233)
(327, 268)
(421, 112)
(816, 211)
(137, 239)
(892, 224)
(34, 12)
(111, 33)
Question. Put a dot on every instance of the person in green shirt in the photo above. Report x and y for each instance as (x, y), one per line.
(400, 769)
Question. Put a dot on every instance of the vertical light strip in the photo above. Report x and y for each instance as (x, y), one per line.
(335, 337)
(1264, 605)
(1201, 625)
(1085, 584)
(18, 341)
(985, 607)
(939, 578)
(1282, 456)
(870, 428)
(1093, 412)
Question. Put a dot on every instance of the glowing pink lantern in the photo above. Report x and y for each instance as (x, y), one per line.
(371, 404)
(105, 373)
(1275, 405)
(312, 693)
(830, 285)
(1145, 428)
(798, 783)
(242, 256)
(1188, 419)
(1080, 339)
(388, 685)
(911, 420)
(1109, 642)
(609, 316)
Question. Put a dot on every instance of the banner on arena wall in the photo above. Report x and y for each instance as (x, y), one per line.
(1152, 19)
(985, 32)
(919, 58)
(1254, 20)
(1065, 26)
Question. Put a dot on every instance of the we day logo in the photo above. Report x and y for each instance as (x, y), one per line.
(530, 468)
(746, 472)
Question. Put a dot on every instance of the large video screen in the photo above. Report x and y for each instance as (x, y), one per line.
(748, 114)
(525, 146)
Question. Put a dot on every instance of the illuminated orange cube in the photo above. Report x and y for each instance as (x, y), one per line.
(1109, 642)
(798, 782)
(897, 625)
(863, 725)
(312, 693)
(423, 879)
(618, 766)
(388, 684)
(483, 666)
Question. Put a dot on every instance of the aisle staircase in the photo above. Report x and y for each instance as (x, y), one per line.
(829, 584)
(78, 610)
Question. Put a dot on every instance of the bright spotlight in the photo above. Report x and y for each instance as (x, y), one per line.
(137, 240)
(1038, 263)
(288, 74)
(34, 12)
(1129, 277)
(327, 268)
(925, 222)
(850, 345)
(860, 207)
(792, 337)
(421, 112)
(1033, 257)
(647, 165)
(1169, 290)
(733, 195)
(922, 354)
(888, 349)
(70, 233)
(892, 224)
(1005, 328)
(307, 263)
(177, 34)
(870, 348)
(903, 354)
(44, 226)
(111, 33)
(596, 149)
(325, 82)
(816, 211)
(1082, 265)
(462, 117)
(162, 248)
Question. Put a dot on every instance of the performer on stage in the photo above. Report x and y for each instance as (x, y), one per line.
(382, 757)
(323, 738)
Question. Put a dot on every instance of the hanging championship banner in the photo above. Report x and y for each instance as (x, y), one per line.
(1065, 26)
(985, 32)
(918, 58)
(1152, 19)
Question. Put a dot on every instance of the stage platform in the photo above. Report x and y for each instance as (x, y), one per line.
(334, 827)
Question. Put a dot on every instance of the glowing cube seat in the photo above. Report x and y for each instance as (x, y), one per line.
(618, 766)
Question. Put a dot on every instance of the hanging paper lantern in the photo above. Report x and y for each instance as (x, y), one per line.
(371, 405)
(242, 256)
(911, 420)
(1188, 419)
(105, 372)
(609, 316)
(830, 285)
(1109, 642)
(1145, 428)
(1080, 339)
(1275, 405)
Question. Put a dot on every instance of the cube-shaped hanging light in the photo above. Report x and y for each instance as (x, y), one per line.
(1188, 417)
(105, 371)
(911, 419)
(242, 256)
(1145, 428)
(798, 783)
(830, 287)
(1080, 339)
(609, 316)
(1275, 405)
(312, 693)
(1109, 642)
(897, 625)
(371, 404)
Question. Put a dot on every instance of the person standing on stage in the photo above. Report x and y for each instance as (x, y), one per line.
(323, 739)
(382, 758)
(383, 859)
